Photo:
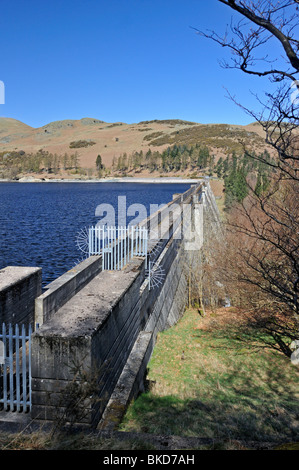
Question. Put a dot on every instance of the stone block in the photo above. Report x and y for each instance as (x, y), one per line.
(19, 287)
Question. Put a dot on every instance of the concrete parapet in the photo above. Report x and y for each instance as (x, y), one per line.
(19, 286)
(97, 329)
(65, 287)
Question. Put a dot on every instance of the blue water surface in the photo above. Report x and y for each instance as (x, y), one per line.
(40, 223)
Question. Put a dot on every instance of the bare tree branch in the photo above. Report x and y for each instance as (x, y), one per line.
(263, 232)
(268, 25)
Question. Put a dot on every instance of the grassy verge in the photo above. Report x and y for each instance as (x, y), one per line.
(206, 382)
(70, 441)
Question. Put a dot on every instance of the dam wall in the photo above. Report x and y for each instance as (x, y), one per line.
(95, 329)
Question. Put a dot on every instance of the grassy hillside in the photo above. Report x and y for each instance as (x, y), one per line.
(92, 137)
(216, 136)
(205, 382)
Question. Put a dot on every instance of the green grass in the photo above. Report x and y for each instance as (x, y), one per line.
(221, 206)
(222, 388)
(79, 441)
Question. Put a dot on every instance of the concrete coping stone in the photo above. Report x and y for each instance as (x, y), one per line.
(177, 198)
(71, 274)
(86, 311)
(12, 275)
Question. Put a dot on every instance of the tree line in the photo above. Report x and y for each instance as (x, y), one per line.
(235, 170)
(41, 161)
(175, 158)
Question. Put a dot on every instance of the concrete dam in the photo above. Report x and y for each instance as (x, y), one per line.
(94, 329)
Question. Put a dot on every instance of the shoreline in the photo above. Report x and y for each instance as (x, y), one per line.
(131, 179)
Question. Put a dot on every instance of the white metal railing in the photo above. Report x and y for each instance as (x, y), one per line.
(117, 244)
(15, 368)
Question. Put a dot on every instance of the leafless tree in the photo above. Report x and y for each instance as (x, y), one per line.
(261, 26)
(262, 261)
(264, 230)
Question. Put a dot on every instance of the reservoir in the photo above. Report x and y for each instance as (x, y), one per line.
(40, 223)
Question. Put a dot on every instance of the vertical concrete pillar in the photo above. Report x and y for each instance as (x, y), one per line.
(199, 224)
(193, 226)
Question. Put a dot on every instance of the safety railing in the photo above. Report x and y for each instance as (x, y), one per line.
(117, 244)
(15, 368)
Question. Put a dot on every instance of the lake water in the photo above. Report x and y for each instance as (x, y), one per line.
(40, 223)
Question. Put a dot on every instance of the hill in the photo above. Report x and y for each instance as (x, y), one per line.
(88, 137)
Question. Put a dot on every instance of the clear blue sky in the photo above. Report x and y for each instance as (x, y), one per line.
(117, 60)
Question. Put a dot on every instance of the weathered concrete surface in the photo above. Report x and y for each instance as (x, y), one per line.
(97, 328)
(130, 383)
(19, 286)
(65, 287)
